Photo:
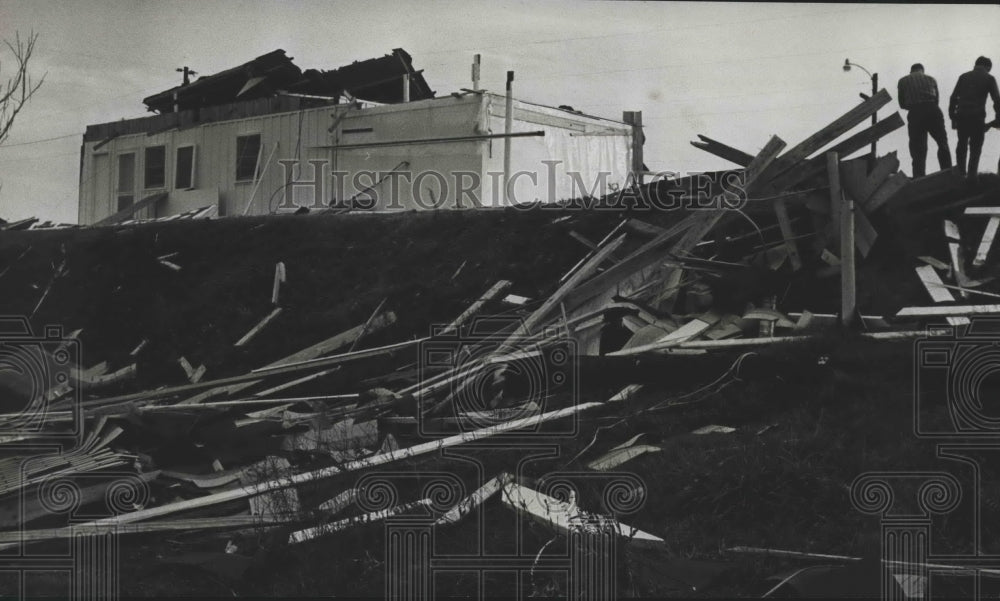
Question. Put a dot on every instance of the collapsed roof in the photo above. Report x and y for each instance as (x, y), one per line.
(376, 79)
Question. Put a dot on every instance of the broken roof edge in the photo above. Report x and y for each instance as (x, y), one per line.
(292, 103)
(558, 109)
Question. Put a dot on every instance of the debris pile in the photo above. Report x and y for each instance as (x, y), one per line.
(254, 451)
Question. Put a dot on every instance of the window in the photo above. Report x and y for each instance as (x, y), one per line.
(247, 156)
(155, 167)
(184, 168)
(126, 180)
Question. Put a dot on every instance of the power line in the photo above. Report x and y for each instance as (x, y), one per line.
(73, 135)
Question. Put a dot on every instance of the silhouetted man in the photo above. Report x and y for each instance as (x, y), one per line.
(967, 110)
(918, 94)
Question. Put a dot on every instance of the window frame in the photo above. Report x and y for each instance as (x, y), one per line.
(162, 184)
(260, 147)
(178, 172)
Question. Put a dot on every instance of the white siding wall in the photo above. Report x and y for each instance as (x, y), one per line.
(307, 135)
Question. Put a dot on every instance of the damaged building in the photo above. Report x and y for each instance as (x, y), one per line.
(249, 141)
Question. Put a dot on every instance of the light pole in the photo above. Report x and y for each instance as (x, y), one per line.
(874, 77)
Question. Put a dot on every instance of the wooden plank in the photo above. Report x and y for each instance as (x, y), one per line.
(307, 354)
(884, 167)
(946, 311)
(934, 285)
(491, 294)
(638, 226)
(836, 193)
(958, 266)
(565, 517)
(936, 263)
(723, 151)
(865, 232)
(889, 188)
(279, 279)
(991, 211)
(585, 271)
(682, 334)
(828, 134)
(781, 212)
(848, 301)
(131, 209)
(765, 158)
(257, 328)
(594, 249)
(816, 165)
(334, 470)
(477, 498)
(951, 230)
(853, 178)
(987, 242)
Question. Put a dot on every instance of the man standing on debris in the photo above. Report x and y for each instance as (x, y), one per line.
(967, 110)
(918, 94)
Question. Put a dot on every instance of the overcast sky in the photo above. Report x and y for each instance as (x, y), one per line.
(738, 72)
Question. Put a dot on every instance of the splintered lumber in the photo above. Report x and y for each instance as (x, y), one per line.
(257, 328)
(301, 536)
(765, 158)
(595, 248)
(823, 137)
(680, 335)
(946, 311)
(935, 287)
(368, 323)
(639, 226)
(723, 151)
(91, 379)
(936, 263)
(565, 517)
(628, 450)
(781, 212)
(351, 466)
(951, 230)
(884, 167)
(991, 211)
(132, 209)
(987, 242)
(279, 279)
(958, 266)
(256, 376)
(585, 271)
(494, 291)
(477, 498)
(317, 350)
(16, 537)
(817, 165)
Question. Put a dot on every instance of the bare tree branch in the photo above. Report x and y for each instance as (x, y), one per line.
(20, 86)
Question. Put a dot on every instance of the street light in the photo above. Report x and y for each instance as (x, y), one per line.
(874, 77)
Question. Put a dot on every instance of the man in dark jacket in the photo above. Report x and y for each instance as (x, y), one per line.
(918, 95)
(967, 110)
